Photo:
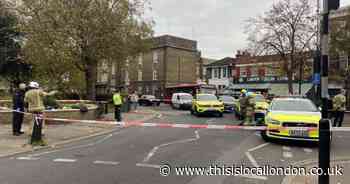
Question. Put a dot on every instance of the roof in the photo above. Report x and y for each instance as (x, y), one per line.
(223, 62)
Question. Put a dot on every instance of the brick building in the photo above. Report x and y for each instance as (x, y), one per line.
(170, 61)
(265, 73)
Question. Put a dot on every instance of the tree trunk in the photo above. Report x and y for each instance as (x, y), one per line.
(90, 79)
(290, 81)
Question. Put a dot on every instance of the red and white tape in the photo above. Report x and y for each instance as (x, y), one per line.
(176, 125)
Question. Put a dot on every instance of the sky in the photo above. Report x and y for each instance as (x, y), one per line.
(217, 25)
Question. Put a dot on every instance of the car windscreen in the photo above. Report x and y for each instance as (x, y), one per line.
(206, 97)
(259, 98)
(186, 97)
(150, 97)
(293, 105)
(227, 99)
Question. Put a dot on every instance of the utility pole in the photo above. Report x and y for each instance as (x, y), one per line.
(324, 125)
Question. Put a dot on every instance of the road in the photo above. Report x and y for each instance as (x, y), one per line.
(133, 155)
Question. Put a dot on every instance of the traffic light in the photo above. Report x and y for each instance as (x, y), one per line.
(333, 4)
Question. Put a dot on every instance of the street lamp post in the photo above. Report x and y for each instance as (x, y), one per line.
(324, 125)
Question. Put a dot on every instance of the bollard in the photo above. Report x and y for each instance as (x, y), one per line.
(324, 150)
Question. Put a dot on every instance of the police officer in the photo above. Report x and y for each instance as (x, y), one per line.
(117, 101)
(18, 107)
(243, 99)
(250, 108)
(339, 107)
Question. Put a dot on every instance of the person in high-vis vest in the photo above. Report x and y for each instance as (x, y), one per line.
(117, 101)
(339, 107)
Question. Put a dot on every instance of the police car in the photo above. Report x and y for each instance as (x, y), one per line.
(292, 119)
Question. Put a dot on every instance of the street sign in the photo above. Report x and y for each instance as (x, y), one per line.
(316, 78)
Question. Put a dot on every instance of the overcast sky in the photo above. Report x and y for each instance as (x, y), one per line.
(217, 25)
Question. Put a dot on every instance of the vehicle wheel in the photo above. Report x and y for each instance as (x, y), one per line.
(264, 136)
(192, 112)
(221, 114)
(158, 104)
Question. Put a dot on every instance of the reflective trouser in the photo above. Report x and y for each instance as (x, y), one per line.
(43, 124)
(249, 119)
(37, 128)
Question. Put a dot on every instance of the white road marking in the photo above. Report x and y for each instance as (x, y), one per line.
(258, 147)
(286, 148)
(287, 154)
(64, 160)
(254, 177)
(308, 150)
(75, 147)
(105, 162)
(254, 162)
(154, 150)
(150, 154)
(27, 158)
(251, 159)
(148, 165)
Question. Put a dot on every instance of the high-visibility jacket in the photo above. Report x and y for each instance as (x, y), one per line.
(339, 102)
(117, 99)
(34, 98)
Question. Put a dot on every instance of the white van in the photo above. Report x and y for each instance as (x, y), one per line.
(181, 101)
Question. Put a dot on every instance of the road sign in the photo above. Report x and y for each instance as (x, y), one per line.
(316, 78)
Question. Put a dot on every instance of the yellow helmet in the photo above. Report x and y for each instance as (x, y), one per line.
(243, 91)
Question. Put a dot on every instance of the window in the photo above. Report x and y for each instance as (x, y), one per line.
(139, 75)
(209, 73)
(155, 75)
(219, 70)
(127, 62)
(216, 73)
(140, 59)
(224, 75)
(155, 57)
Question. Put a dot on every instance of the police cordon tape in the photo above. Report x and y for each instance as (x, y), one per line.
(193, 126)
(180, 125)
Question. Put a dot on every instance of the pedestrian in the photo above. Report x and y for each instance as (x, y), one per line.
(243, 105)
(117, 101)
(18, 107)
(339, 107)
(134, 98)
(34, 98)
(250, 110)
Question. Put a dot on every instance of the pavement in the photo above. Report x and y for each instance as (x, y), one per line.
(57, 134)
(134, 155)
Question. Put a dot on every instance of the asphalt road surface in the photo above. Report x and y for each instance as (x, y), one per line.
(134, 155)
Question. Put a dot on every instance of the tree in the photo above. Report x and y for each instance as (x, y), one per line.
(288, 29)
(12, 67)
(69, 36)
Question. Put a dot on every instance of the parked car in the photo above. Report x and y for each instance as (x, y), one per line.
(229, 103)
(148, 100)
(291, 119)
(207, 103)
(181, 100)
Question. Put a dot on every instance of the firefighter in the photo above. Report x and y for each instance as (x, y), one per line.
(243, 105)
(117, 101)
(250, 109)
(339, 107)
(34, 98)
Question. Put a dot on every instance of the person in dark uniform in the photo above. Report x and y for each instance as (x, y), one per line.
(18, 107)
